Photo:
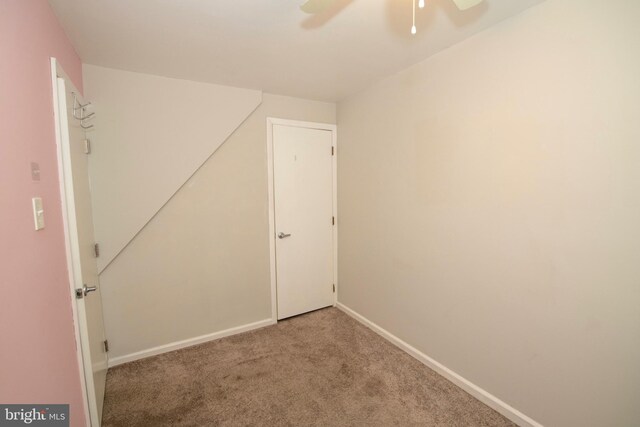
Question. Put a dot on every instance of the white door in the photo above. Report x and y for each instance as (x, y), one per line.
(303, 200)
(81, 244)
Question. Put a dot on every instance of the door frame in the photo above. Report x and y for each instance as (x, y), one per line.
(72, 253)
(271, 121)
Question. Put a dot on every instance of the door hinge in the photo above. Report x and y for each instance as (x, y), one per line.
(96, 250)
(333, 151)
(106, 346)
(334, 288)
(87, 146)
(333, 220)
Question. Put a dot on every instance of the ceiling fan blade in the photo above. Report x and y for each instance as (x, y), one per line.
(316, 6)
(466, 4)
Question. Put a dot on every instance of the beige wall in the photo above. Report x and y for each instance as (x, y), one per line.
(202, 264)
(489, 210)
(151, 133)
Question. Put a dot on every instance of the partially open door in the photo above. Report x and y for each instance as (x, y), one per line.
(81, 249)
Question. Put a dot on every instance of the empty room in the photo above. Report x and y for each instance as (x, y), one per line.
(320, 213)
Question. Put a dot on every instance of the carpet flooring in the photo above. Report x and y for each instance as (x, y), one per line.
(319, 369)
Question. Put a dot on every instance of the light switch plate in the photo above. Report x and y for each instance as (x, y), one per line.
(38, 213)
(35, 171)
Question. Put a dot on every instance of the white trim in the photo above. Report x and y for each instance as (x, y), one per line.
(272, 222)
(188, 342)
(335, 214)
(271, 121)
(474, 390)
(56, 70)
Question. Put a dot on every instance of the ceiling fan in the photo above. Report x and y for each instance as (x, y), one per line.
(318, 6)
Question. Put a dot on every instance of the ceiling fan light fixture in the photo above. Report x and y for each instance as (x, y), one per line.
(318, 6)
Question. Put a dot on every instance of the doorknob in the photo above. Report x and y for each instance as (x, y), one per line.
(82, 292)
(281, 235)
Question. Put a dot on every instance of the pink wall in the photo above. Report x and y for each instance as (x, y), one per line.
(37, 346)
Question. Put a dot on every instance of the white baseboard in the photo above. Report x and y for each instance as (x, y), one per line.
(477, 392)
(188, 342)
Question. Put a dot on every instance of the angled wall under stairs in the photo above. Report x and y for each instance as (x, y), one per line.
(150, 135)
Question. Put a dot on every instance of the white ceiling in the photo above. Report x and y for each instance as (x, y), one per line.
(270, 44)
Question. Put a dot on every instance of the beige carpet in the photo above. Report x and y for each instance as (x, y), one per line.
(319, 369)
